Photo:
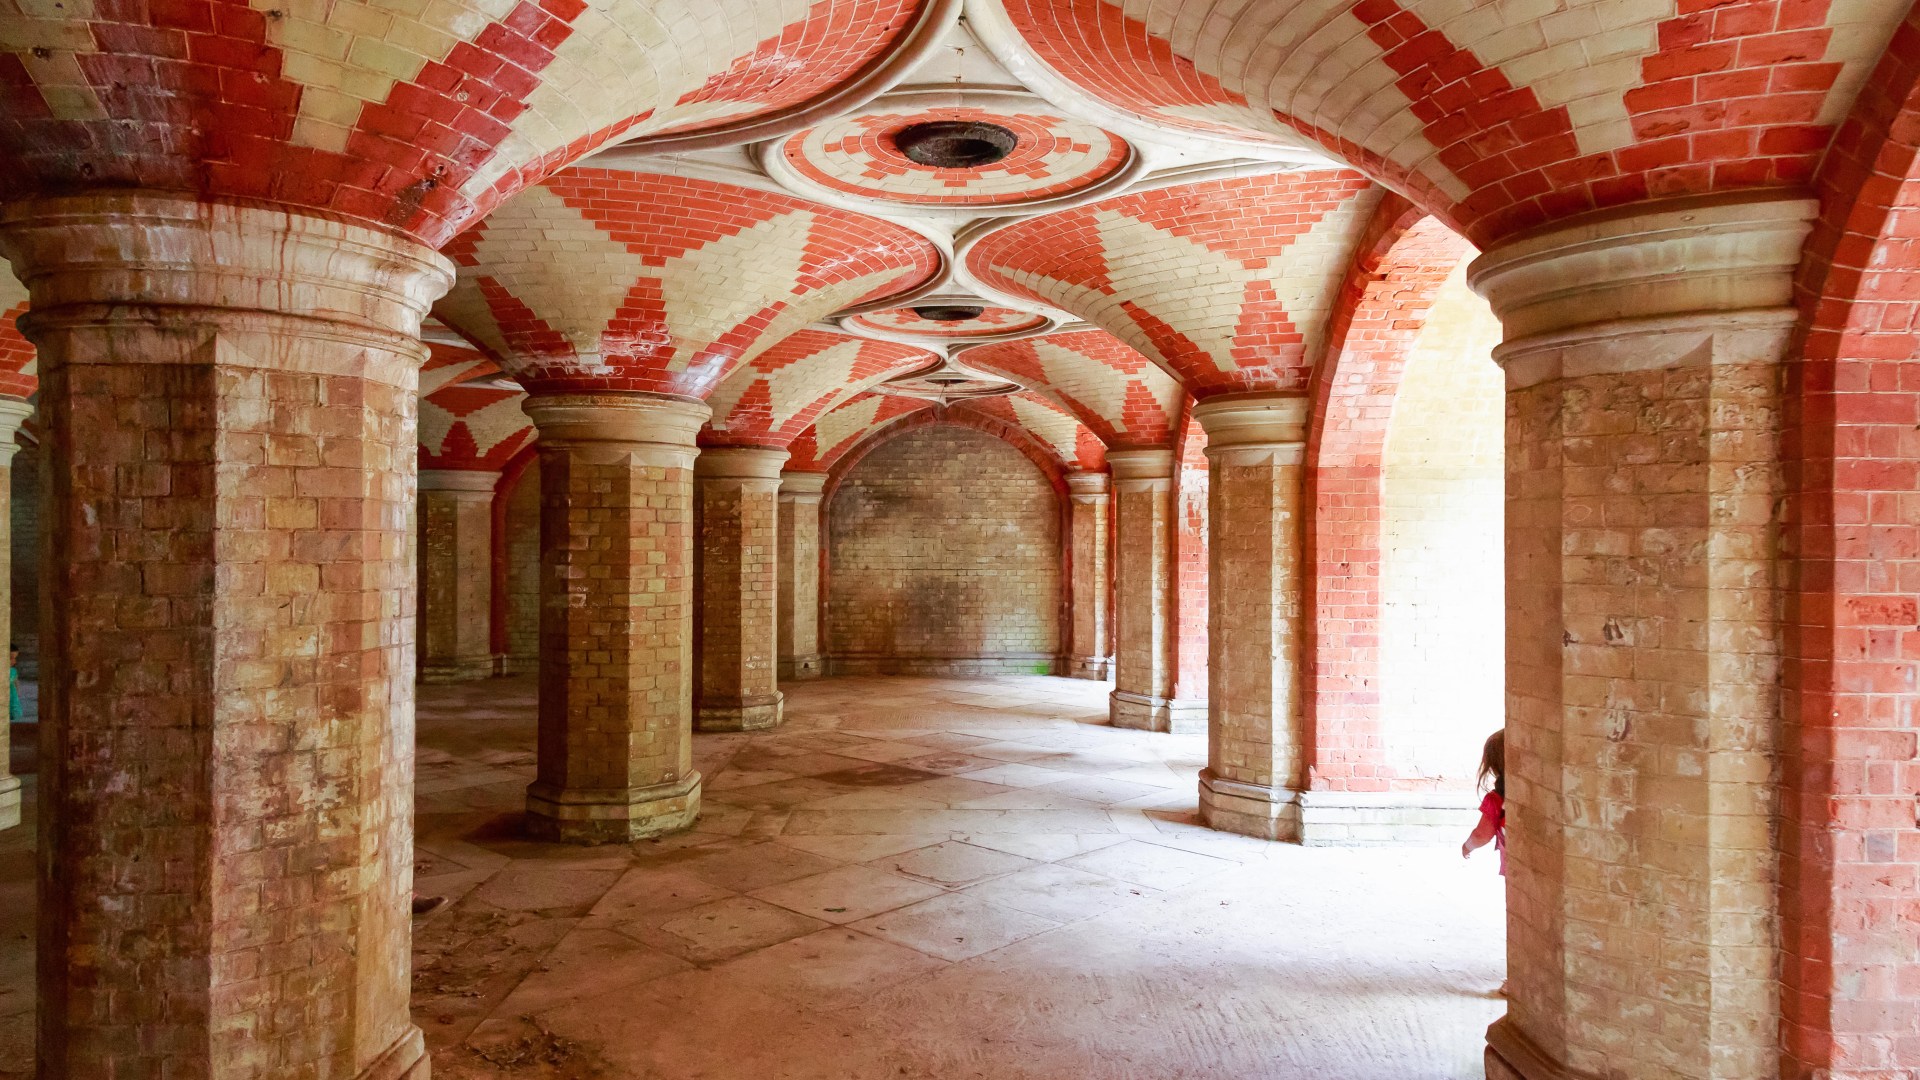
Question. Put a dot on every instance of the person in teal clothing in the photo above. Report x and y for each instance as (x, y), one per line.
(15, 713)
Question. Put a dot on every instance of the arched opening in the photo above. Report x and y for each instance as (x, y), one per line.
(944, 557)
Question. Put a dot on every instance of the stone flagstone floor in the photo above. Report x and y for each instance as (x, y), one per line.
(912, 879)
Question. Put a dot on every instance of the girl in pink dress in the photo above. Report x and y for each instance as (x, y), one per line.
(1493, 808)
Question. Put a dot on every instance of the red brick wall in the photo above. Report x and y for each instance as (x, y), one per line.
(1190, 563)
(1850, 871)
(944, 555)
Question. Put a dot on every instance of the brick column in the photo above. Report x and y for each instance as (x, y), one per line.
(616, 617)
(456, 574)
(228, 395)
(1643, 356)
(12, 413)
(1255, 764)
(1087, 651)
(1143, 669)
(737, 533)
(797, 575)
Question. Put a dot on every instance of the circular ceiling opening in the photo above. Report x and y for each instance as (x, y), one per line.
(948, 312)
(954, 144)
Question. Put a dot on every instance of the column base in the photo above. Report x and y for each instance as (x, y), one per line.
(459, 668)
(9, 801)
(1512, 1056)
(751, 714)
(1097, 668)
(795, 668)
(404, 1060)
(611, 815)
(520, 664)
(1260, 812)
(1142, 712)
(1355, 818)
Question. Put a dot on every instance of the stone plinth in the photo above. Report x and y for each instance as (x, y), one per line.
(735, 543)
(1087, 542)
(228, 401)
(797, 576)
(1143, 670)
(456, 574)
(12, 414)
(1643, 359)
(616, 617)
(1255, 759)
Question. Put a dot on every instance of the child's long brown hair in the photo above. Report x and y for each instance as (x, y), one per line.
(1493, 762)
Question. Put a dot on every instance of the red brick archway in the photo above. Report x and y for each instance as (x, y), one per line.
(1402, 261)
(1851, 869)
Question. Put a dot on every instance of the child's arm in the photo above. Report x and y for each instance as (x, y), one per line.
(1481, 836)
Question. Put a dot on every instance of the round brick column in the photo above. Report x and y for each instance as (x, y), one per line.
(736, 521)
(616, 617)
(228, 395)
(797, 575)
(1143, 672)
(456, 574)
(13, 413)
(1644, 366)
(1255, 761)
(1087, 541)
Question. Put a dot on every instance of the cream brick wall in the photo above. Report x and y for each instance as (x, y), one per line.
(944, 549)
(523, 574)
(1442, 589)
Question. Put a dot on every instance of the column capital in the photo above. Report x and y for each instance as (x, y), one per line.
(1140, 470)
(13, 413)
(1634, 288)
(1247, 429)
(464, 481)
(145, 249)
(802, 486)
(739, 463)
(667, 425)
(1087, 485)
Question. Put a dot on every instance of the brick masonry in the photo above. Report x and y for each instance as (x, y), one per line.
(228, 715)
(455, 562)
(736, 651)
(616, 617)
(523, 573)
(1088, 654)
(797, 575)
(27, 497)
(944, 548)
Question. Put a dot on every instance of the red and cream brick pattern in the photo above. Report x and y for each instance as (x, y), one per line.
(1116, 392)
(19, 370)
(603, 280)
(616, 618)
(1065, 438)
(736, 513)
(1089, 511)
(770, 400)
(464, 426)
(1053, 156)
(1142, 493)
(1226, 284)
(1850, 873)
(846, 426)
(418, 118)
(944, 557)
(991, 321)
(228, 655)
(1381, 311)
(1190, 561)
(1494, 116)
(797, 575)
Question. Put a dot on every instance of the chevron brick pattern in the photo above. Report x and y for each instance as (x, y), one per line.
(420, 117)
(1105, 383)
(1065, 438)
(600, 280)
(771, 400)
(463, 426)
(1496, 116)
(1225, 283)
